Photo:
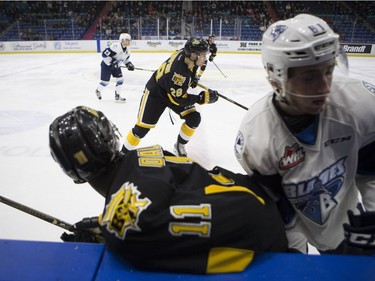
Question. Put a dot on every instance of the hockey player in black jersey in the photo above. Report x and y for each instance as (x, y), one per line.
(168, 87)
(213, 50)
(164, 212)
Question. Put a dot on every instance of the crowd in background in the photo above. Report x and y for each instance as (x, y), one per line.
(108, 19)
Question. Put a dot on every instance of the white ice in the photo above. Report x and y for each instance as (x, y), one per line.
(36, 88)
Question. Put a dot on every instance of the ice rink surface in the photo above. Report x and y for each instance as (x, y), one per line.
(36, 88)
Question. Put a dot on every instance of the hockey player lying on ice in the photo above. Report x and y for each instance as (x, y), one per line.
(163, 212)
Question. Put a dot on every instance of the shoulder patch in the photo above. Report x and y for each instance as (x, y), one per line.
(178, 79)
(369, 87)
(122, 212)
(239, 145)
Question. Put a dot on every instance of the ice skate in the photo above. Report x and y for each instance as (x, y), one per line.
(179, 149)
(97, 92)
(118, 98)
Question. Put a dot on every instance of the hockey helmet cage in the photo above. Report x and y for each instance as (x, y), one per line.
(84, 142)
(195, 45)
(124, 36)
(300, 41)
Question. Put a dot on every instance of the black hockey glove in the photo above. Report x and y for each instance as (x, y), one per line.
(130, 66)
(114, 65)
(79, 236)
(87, 223)
(211, 58)
(209, 96)
(194, 83)
(86, 230)
(360, 233)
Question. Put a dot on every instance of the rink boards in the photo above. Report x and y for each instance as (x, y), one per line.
(32, 260)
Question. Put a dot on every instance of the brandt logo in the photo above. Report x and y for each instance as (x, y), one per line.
(360, 49)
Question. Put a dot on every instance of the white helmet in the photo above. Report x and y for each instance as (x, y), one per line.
(300, 41)
(124, 36)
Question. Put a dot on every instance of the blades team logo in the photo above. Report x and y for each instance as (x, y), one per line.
(292, 156)
(123, 211)
(178, 79)
(277, 30)
(315, 198)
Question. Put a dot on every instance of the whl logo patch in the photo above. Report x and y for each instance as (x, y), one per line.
(292, 156)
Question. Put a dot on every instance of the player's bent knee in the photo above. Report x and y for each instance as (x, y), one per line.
(193, 119)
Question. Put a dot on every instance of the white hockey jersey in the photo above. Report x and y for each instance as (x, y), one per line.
(317, 179)
(115, 52)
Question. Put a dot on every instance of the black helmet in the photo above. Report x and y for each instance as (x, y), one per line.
(195, 45)
(211, 36)
(84, 142)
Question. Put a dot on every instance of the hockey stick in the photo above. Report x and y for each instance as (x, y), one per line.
(84, 225)
(137, 68)
(219, 69)
(37, 214)
(224, 97)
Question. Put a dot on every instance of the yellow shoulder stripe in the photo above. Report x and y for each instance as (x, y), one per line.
(214, 188)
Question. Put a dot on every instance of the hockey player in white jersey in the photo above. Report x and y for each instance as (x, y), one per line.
(314, 133)
(114, 56)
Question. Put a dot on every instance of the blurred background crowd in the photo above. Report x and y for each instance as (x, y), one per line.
(228, 20)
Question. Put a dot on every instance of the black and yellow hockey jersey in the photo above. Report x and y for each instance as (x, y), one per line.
(167, 213)
(172, 80)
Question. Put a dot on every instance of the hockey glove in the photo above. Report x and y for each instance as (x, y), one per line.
(79, 236)
(194, 83)
(114, 65)
(86, 230)
(209, 96)
(211, 58)
(87, 223)
(130, 66)
(360, 232)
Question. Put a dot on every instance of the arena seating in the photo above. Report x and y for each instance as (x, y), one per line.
(354, 22)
